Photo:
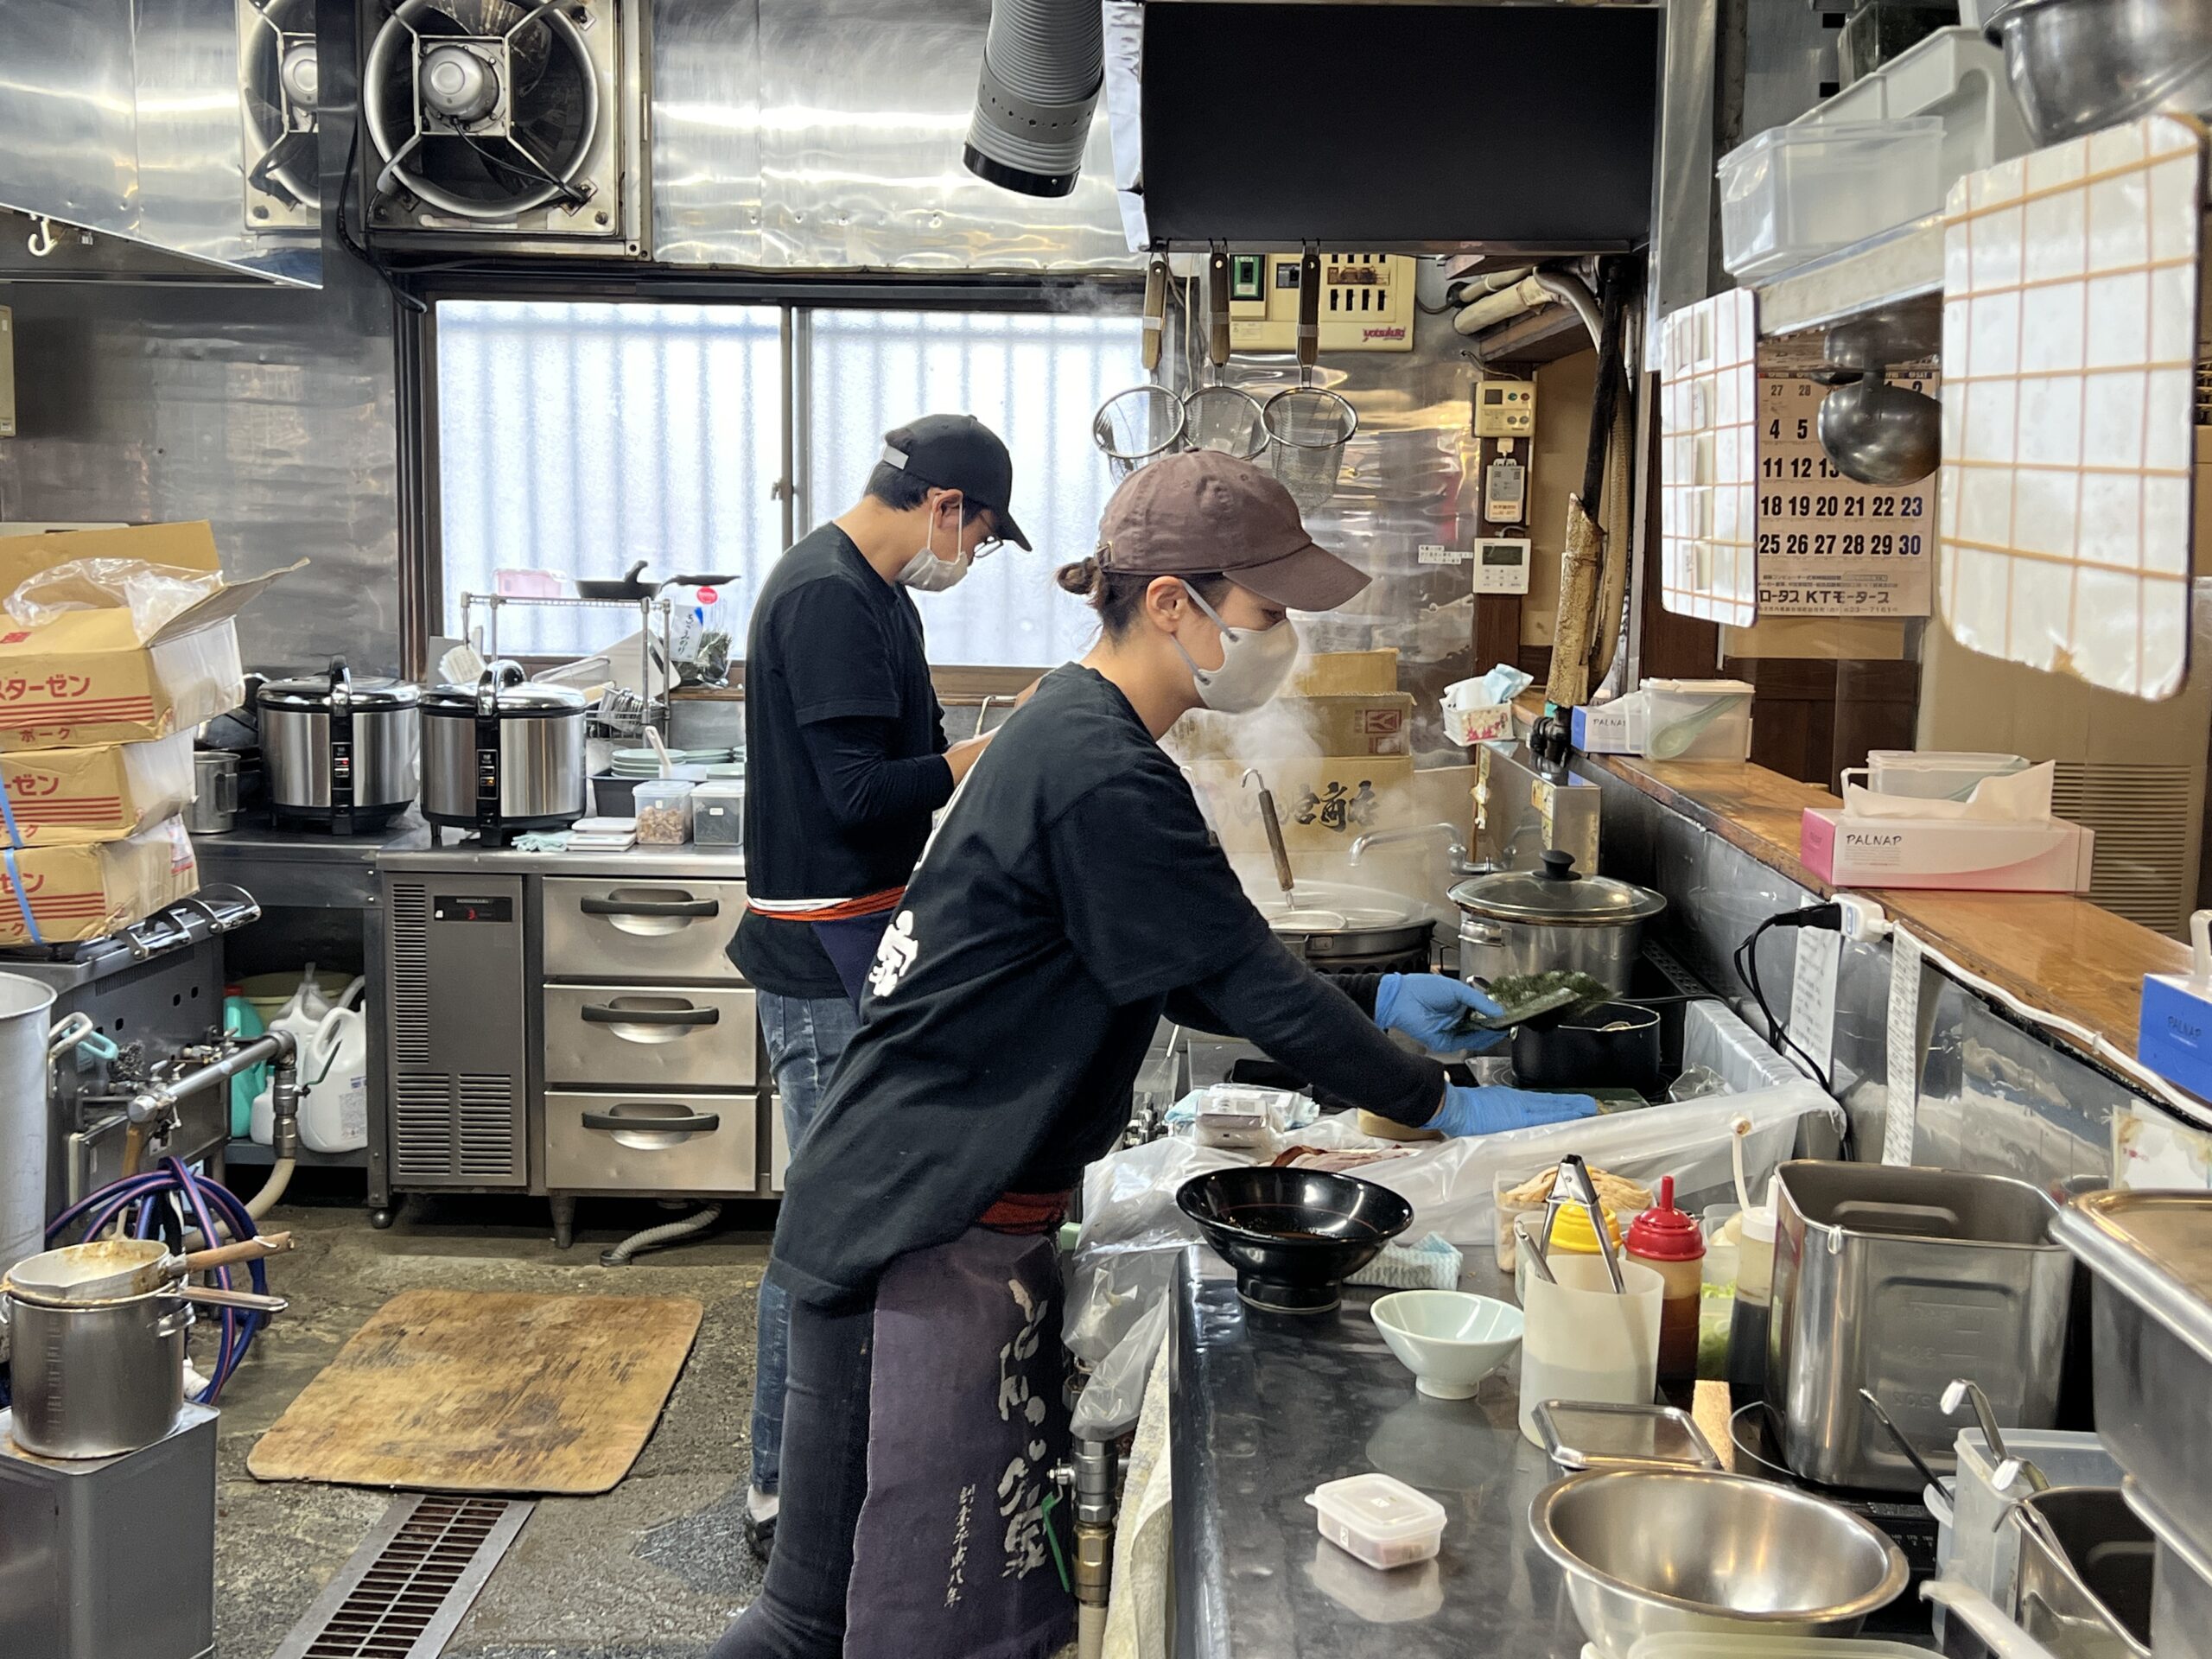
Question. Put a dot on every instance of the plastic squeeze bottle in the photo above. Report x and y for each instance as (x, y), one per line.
(1668, 1242)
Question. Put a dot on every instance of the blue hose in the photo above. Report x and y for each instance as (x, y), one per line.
(205, 1199)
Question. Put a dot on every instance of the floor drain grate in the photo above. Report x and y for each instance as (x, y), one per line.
(404, 1591)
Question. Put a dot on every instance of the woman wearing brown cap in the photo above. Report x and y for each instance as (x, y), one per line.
(1071, 896)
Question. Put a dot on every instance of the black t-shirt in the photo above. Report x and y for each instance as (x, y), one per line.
(1070, 890)
(836, 689)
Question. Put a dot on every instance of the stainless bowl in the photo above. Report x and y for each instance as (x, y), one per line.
(1651, 1552)
(2078, 65)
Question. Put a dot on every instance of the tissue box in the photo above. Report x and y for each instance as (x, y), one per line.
(1487, 724)
(2174, 1036)
(1969, 854)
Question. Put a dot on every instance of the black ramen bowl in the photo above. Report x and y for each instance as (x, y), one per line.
(1293, 1234)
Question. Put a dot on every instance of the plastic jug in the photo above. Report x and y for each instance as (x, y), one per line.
(242, 1019)
(332, 1071)
(334, 1078)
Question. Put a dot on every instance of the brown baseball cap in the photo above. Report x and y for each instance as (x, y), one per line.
(1199, 512)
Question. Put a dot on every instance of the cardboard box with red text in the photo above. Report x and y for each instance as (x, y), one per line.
(101, 674)
(58, 896)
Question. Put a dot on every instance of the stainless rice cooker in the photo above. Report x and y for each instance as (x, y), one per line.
(342, 754)
(1539, 921)
(504, 755)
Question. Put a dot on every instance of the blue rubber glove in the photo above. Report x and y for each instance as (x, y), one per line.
(1428, 1007)
(1491, 1111)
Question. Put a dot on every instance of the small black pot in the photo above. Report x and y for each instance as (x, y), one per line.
(1578, 1052)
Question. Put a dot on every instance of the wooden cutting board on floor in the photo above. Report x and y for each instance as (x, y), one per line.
(469, 1391)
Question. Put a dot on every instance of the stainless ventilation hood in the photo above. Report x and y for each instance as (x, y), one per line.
(123, 116)
(1497, 124)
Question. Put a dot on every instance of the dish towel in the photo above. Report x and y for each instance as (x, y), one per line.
(1144, 1541)
(1432, 1264)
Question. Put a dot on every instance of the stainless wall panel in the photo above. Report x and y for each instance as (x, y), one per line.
(268, 413)
(826, 135)
(1991, 1097)
(68, 110)
(706, 132)
(123, 118)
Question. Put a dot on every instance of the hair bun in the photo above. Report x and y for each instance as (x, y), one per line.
(1082, 578)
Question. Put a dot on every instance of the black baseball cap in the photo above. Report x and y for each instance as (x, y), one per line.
(958, 452)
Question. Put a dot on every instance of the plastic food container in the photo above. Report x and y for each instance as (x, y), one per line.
(1935, 774)
(1383, 1521)
(718, 813)
(663, 811)
(1698, 720)
(1584, 1341)
(1793, 193)
(1231, 1118)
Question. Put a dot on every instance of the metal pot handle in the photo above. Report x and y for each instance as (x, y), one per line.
(1481, 932)
(170, 1325)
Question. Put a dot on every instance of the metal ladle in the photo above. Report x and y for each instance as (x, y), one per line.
(1880, 434)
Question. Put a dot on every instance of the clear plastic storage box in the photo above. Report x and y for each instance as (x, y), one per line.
(1383, 1521)
(1795, 192)
(718, 813)
(663, 811)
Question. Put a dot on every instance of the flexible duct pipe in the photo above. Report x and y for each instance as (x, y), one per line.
(653, 1238)
(1568, 291)
(1465, 290)
(1508, 302)
(1043, 61)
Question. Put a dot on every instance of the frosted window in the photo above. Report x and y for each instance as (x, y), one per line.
(581, 437)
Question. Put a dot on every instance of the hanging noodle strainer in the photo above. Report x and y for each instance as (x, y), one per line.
(1139, 425)
(1308, 426)
(1217, 416)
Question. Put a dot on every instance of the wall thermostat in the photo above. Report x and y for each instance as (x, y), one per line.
(1505, 409)
(1501, 565)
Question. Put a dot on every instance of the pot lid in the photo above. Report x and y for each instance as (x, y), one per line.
(527, 699)
(313, 692)
(1557, 894)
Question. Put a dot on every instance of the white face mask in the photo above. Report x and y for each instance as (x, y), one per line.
(928, 574)
(1255, 662)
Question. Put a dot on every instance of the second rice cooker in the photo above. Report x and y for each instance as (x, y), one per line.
(503, 756)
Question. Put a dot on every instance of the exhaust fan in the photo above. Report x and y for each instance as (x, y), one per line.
(278, 79)
(516, 120)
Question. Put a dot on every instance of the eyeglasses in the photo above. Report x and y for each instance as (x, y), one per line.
(987, 546)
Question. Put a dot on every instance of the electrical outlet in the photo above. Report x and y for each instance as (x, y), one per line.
(1367, 302)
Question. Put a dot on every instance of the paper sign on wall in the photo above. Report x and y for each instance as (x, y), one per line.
(1812, 994)
(1828, 546)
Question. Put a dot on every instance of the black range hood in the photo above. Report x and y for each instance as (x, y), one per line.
(1518, 128)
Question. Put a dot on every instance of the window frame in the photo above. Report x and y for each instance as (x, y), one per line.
(421, 516)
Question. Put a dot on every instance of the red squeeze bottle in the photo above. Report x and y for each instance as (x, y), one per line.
(1668, 1242)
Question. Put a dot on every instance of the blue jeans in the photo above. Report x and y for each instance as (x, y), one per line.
(805, 1038)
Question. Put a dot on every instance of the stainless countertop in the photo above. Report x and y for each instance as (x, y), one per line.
(1268, 1406)
(313, 869)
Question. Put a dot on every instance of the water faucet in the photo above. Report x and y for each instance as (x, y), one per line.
(1457, 851)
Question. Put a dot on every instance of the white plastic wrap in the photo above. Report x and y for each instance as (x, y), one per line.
(155, 595)
(1125, 1254)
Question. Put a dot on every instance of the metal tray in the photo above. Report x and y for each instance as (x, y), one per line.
(2151, 1325)
(1587, 1435)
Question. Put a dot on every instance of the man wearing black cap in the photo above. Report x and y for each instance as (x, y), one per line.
(846, 761)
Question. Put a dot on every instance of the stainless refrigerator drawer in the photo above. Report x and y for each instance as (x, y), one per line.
(664, 1037)
(641, 1141)
(641, 928)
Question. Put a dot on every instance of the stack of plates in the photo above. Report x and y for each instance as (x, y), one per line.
(645, 763)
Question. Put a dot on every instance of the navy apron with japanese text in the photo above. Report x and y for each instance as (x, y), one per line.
(967, 1416)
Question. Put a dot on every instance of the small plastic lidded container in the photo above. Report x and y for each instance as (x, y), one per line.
(1383, 1521)
(718, 813)
(1792, 193)
(663, 811)
(1232, 1117)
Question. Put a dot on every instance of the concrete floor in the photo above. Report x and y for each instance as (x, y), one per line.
(653, 1570)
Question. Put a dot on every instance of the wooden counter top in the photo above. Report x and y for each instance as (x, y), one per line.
(2059, 952)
